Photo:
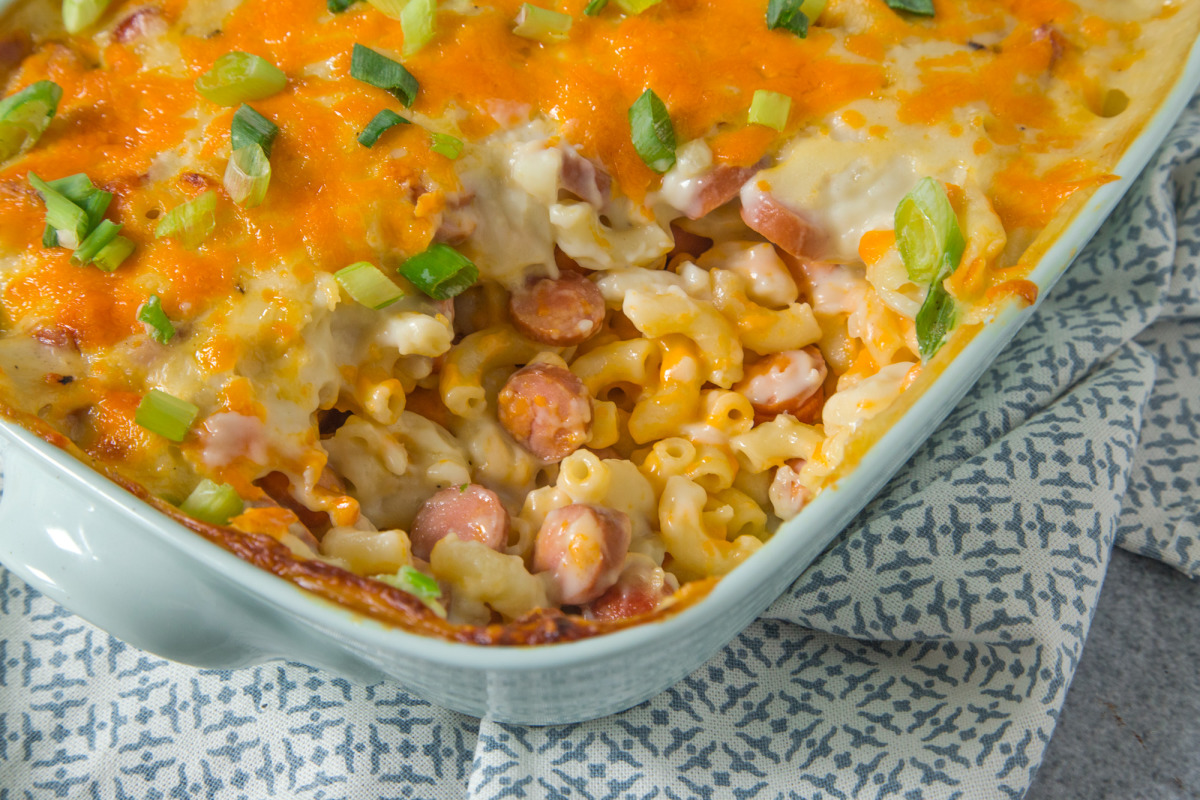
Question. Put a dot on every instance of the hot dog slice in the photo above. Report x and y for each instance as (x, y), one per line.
(470, 512)
(790, 382)
(781, 225)
(562, 312)
(583, 548)
(640, 588)
(547, 410)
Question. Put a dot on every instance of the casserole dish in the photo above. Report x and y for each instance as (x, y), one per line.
(93, 556)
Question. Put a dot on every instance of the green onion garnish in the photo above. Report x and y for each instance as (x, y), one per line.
(251, 127)
(382, 72)
(936, 318)
(213, 503)
(238, 77)
(67, 220)
(418, 22)
(25, 116)
(922, 7)
(446, 145)
(653, 133)
(419, 585)
(813, 9)
(927, 232)
(368, 286)
(534, 22)
(770, 109)
(96, 241)
(113, 253)
(247, 175)
(166, 415)
(80, 14)
(338, 6)
(79, 190)
(160, 327)
(440, 272)
(636, 6)
(378, 125)
(595, 7)
(190, 223)
(788, 15)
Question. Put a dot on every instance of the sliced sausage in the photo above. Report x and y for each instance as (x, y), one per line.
(278, 488)
(470, 512)
(141, 23)
(717, 188)
(788, 495)
(583, 548)
(639, 590)
(582, 178)
(781, 225)
(547, 410)
(786, 382)
(562, 312)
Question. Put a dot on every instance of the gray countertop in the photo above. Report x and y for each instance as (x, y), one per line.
(1130, 728)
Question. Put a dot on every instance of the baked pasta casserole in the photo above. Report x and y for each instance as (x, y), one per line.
(518, 322)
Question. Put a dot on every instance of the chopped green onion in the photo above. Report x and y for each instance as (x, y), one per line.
(935, 318)
(166, 415)
(190, 223)
(653, 133)
(213, 503)
(368, 286)
(421, 586)
(440, 272)
(636, 6)
(382, 72)
(247, 175)
(80, 14)
(25, 116)
(418, 22)
(65, 218)
(770, 109)
(922, 7)
(96, 241)
(446, 145)
(251, 127)
(813, 9)
(787, 14)
(79, 190)
(534, 22)
(338, 6)
(151, 313)
(927, 232)
(378, 125)
(113, 253)
(594, 7)
(238, 77)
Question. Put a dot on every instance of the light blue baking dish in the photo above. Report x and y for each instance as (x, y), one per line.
(131, 570)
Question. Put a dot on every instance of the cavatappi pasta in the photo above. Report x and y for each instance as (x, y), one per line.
(510, 308)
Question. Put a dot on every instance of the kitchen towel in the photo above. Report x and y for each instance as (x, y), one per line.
(925, 655)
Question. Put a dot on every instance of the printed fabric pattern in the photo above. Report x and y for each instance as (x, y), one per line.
(925, 655)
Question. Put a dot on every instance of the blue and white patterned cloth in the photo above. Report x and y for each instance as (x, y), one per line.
(925, 655)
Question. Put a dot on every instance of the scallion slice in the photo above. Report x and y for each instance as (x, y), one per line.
(446, 145)
(247, 175)
(64, 217)
(382, 72)
(80, 14)
(653, 133)
(636, 6)
(113, 253)
(338, 6)
(368, 286)
(238, 77)
(166, 415)
(927, 232)
(770, 109)
(421, 586)
(418, 21)
(788, 15)
(25, 116)
(97, 240)
(594, 7)
(935, 318)
(251, 127)
(921, 7)
(213, 503)
(813, 9)
(378, 125)
(79, 190)
(190, 223)
(535, 22)
(440, 272)
(158, 324)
